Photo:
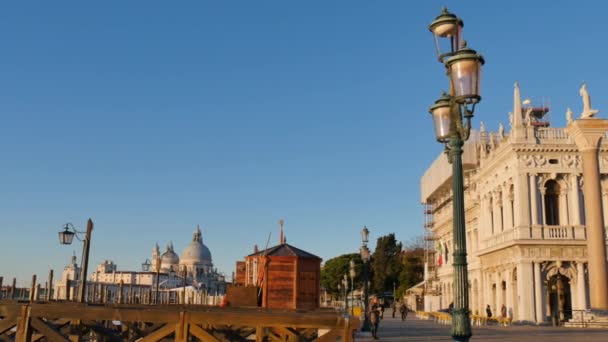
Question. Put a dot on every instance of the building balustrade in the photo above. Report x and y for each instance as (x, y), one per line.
(557, 134)
(537, 232)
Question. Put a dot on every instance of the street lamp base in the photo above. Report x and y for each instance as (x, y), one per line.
(365, 326)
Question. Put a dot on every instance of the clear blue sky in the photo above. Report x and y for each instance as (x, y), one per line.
(152, 117)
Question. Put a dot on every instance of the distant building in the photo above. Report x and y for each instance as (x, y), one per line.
(195, 260)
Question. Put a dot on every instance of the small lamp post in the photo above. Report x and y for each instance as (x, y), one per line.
(452, 115)
(352, 282)
(365, 256)
(66, 236)
(345, 286)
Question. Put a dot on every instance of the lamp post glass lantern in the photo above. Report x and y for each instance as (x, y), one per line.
(66, 236)
(145, 266)
(452, 115)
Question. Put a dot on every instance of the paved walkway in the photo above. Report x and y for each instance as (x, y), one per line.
(414, 329)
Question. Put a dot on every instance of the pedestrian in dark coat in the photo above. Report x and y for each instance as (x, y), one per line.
(488, 311)
(403, 311)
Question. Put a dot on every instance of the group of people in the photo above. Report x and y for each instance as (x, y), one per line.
(503, 311)
(376, 313)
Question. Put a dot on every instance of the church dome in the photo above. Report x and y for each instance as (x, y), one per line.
(196, 251)
(169, 257)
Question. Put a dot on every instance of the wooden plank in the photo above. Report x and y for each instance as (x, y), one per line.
(160, 333)
(289, 333)
(47, 331)
(181, 328)
(202, 334)
(7, 324)
(24, 332)
(259, 333)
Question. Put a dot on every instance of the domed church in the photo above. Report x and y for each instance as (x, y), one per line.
(195, 258)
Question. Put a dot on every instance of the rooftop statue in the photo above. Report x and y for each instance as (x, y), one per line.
(587, 111)
(568, 116)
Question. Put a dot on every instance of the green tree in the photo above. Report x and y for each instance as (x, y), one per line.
(334, 269)
(386, 263)
(412, 271)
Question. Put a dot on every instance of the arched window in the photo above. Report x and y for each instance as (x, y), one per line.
(552, 203)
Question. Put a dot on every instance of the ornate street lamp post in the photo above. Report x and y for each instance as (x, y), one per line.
(65, 238)
(345, 286)
(449, 111)
(352, 283)
(365, 256)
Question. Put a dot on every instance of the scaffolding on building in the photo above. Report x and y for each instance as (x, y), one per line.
(430, 261)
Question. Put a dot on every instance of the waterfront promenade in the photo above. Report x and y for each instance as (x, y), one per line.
(414, 329)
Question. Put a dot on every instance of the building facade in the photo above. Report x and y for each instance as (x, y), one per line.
(525, 220)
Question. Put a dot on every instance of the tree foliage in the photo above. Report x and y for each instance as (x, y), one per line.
(412, 258)
(334, 270)
(386, 263)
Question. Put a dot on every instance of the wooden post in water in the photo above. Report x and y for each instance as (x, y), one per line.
(1, 280)
(33, 289)
(94, 293)
(49, 293)
(13, 292)
(68, 289)
(120, 285)
(37, 293)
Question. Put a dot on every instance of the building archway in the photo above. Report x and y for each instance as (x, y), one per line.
(559, 296)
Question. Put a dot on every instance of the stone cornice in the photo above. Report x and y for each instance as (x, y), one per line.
(587, 133)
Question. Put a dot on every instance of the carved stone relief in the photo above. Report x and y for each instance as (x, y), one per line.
(540, 160)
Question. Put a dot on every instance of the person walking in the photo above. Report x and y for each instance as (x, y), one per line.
(394, 306)
(374, 317)
(503, 311)
(403, 311)
(488, 311)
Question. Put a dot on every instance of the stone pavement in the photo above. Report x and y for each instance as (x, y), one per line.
(414, 329)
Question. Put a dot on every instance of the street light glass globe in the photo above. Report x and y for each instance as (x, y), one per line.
(464, 69)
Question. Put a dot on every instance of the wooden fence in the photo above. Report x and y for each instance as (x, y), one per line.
(69, 321)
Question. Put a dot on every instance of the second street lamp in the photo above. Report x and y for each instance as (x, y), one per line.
(352, 283)
(449, 111)
(65, 238)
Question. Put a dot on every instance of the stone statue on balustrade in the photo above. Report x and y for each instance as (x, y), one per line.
(587, 111)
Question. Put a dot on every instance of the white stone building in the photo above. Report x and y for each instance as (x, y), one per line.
(525, 220)
(195, 260)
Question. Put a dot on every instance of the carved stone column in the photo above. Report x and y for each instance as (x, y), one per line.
(509, 295)
(563, 205)
(581, 291)
(533, 199)
(543, 208)
(575, 218)
(507, 208)
(521, 203)
(525, 292)
(538, 298)
(588, 134)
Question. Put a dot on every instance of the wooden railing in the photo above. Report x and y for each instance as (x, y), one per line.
(68, 321)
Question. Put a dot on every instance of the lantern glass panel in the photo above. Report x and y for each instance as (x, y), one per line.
(465, 76)
(441, 120)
